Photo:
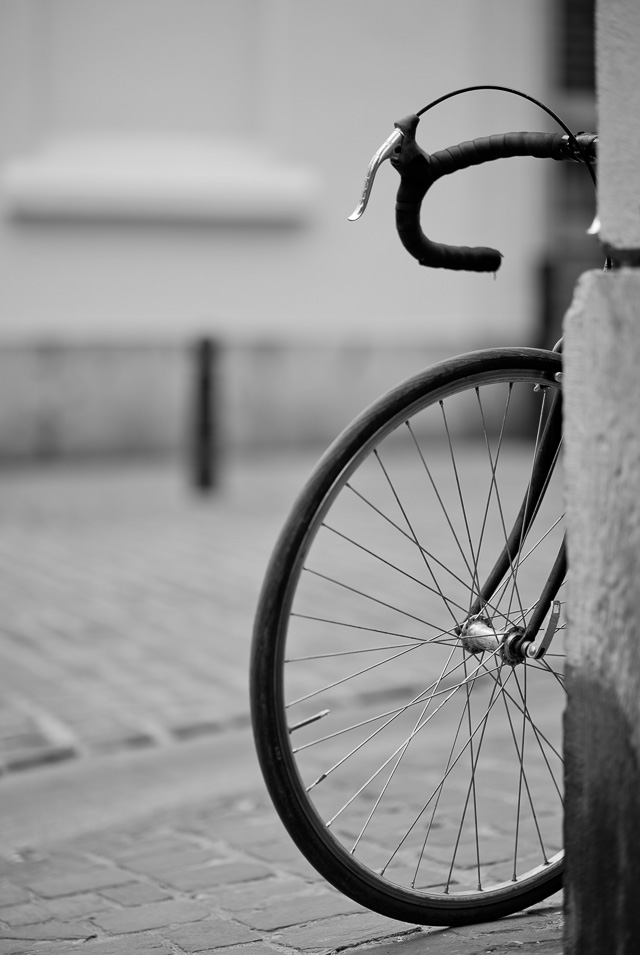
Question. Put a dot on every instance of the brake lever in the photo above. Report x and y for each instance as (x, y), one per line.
(385, 152)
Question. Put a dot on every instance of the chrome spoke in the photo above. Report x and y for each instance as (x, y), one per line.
(415, 539)
(351, 676)
(399, 570)
(449, 770)
(448, 694)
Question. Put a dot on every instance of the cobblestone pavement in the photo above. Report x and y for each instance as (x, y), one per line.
(127, 603)
(221, 878)
(127, 607)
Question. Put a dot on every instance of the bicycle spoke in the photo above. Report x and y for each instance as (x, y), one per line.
(393, 771)
(435, 809)
(523, 711)
(523, 782)
(471, 791)
(350, 676)
(359, 626)
(428, 555)
(402, 746)
(476, 580)
(397, 711)
(494, 486)
(447, 773)
(399, 570)
(366, 596)
(472, 572)
(414, 537)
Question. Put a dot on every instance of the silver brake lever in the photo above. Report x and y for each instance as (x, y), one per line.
(383, 153)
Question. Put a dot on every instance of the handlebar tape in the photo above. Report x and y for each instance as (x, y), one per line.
(419, 170)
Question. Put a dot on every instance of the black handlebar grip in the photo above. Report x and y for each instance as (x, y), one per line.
(418, 171)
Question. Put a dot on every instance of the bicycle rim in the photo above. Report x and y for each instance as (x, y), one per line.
(418, 772)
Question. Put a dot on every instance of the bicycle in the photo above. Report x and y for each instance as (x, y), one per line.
(407, 662)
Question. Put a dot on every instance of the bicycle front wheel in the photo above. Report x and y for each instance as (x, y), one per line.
(415, 762)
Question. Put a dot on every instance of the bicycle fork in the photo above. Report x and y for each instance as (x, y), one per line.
(517, 643)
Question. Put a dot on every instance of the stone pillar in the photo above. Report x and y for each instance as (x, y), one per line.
(602, 414)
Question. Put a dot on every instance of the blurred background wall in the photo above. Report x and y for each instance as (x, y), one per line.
(177, 168)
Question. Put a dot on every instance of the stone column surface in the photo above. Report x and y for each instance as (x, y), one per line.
(602, 419)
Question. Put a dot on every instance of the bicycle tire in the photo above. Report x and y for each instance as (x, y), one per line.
(329, 582)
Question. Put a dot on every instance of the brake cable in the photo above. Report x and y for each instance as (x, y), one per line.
(531, 99)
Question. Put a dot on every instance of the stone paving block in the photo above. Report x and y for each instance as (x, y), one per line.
(550, 947)
(87, 880)
(204, 877)
(296, 910)
(12, 894)
(24, 914)
(551, 936)
(210, 935)
(25, 867)
(343, 931)
(253, 948)
(435, 941)
(151, 916)
(285, 853)
(125, 945)
(74, 906)
(13, 947)
(250, 895)
(172, 856)
(280, 848)
(119, 846)
(518, 925)
(137, 893)
(241, 827)
(52, 930)
(261, 835)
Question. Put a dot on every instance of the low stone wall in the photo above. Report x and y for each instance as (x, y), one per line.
(103, 400)
(60, 400)
(293, 395)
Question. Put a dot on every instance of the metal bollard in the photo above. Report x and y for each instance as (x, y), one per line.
(205, 437)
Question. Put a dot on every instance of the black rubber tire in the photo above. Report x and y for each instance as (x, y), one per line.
(339, 865)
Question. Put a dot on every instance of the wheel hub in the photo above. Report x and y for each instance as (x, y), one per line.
(478, 635)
